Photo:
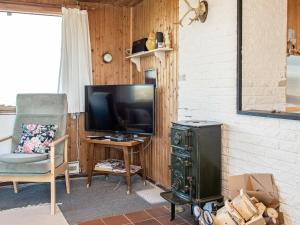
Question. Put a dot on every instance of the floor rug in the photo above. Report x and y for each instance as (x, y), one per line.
(30, 215)
(105, 197)
(152, 195)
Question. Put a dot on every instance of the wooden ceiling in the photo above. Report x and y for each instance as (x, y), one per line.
(90, 4)
(127, 3)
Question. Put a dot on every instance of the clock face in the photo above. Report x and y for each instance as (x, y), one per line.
(107, 57)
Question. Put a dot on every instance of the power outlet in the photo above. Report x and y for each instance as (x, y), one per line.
(74, 167)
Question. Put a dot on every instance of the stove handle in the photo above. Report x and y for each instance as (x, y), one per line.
(184, 162)
(177, 138)
(188, 148)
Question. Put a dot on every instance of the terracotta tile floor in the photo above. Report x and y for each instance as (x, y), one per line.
(154, 216)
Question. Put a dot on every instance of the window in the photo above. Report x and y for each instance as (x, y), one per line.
(30, 48)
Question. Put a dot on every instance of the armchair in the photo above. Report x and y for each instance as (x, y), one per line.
(38, 109)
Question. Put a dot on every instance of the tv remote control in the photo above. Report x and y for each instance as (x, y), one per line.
(139, 139)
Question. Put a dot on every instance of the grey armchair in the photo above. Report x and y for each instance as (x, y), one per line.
(38, 109)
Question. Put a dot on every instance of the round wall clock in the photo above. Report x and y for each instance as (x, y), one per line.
(107, 57)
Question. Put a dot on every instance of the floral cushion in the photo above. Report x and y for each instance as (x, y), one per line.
(36, 138)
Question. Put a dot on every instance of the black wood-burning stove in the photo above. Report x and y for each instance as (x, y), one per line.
(195, 164)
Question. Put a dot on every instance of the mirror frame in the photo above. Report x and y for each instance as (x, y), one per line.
(261, 113)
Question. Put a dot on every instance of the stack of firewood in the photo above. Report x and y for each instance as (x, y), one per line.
(245, 210)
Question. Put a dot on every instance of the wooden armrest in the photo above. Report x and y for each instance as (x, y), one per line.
(59, 140)
(5, 139)
(52, 151)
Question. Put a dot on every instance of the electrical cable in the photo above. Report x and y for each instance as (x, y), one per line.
(145, 147)
(118, 185)
(77, 136)
(149, 142)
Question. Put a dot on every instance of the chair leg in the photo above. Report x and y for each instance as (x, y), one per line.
(53, 195)
(67, 178)
(15, 187)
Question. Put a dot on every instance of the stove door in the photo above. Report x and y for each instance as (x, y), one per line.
(181, 137)
(181, 180)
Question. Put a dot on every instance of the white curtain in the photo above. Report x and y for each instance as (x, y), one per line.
(75, 65)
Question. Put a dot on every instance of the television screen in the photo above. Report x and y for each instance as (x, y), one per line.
(120, 108)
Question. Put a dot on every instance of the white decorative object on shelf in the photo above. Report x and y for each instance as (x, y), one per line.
(160, 53)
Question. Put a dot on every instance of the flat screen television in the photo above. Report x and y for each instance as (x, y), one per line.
(125, 109)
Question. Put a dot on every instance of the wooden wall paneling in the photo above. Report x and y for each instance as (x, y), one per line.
(292, 13)
(293, 18)
(158, 16)
(297, 24)
(127, 40)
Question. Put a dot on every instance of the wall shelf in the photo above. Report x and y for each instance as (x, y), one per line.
(160, 53)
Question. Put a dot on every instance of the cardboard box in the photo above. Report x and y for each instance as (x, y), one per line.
(260, 186)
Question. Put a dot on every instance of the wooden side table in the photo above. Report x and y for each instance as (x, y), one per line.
(126, 147)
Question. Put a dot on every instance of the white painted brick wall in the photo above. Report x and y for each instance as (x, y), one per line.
(208, 91)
